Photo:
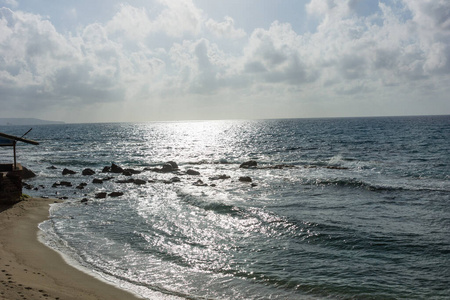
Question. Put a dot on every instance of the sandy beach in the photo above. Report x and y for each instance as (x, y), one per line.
(30, 270)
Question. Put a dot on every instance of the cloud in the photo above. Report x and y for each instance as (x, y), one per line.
(173, 55)
(276, 56)
(179, 17)
(11, 3)
(225, 29)
(40, 63)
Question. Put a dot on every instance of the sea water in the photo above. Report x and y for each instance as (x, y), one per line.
(350, 208)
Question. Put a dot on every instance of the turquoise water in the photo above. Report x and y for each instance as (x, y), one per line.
(358, 208)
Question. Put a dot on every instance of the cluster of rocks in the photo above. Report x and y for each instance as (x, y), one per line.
(169, 167)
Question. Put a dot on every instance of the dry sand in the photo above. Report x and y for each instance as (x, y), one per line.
(31, 270)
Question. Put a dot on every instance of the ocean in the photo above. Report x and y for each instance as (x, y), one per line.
(336, 208)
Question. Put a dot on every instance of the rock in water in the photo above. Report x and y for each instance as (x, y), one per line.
(249, 164)
(245, 179)
(116, 169)
(173, 164)
(167, 168)
(68, 172)
(192, 172)
(139, 181)
(88, 172)
(115, 194)
(97, 181)
(101, 195)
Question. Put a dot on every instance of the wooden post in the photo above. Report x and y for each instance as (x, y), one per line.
(15, 160)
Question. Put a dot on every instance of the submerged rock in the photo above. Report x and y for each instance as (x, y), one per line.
(88, 172)
(68, 172)
(199, 183)
(62, 183)
(131, 180)
(336, 168)
(249, 164)
(115, 194)
(139, 181)
(168, 167)
(221, 177)
(173, 164)
(100, 195)
(97, 181)
(132, 171)
(245, 179)
(192, 172)
(116, 169)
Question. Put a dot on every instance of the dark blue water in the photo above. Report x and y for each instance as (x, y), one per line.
(353, 208)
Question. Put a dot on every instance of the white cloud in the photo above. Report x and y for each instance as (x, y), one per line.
(174, 55)
(225, 29)
(131, 23)
(179, 17)
(11, 3)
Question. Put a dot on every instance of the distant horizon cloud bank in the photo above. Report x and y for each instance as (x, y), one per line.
(176, 60)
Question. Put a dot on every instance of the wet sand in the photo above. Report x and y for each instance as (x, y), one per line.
(31, 270)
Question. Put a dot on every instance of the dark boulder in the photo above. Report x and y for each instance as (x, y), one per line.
(115, 194)
(97, 181)
(27, 174)
(139, 181)
(126, 173)
(221, 177)
(116, 169)
(84, 200)
(132, 171)
(199, 183)
(80, 187)
(192, 172)
(62, 183)
(68, 172)
(100, 195)
(106, 169)
(336, 168)
(173, 164)
(167, 168)
(131, 180)
(249, 164)
(245, 179)
(52, 168)
(88, 172)
(175, 179)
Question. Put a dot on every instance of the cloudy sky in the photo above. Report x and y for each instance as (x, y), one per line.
(150, 60)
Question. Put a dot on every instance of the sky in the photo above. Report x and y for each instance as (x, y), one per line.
(158, 60)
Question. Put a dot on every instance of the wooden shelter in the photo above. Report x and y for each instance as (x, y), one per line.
(11, 174)
(7, 140)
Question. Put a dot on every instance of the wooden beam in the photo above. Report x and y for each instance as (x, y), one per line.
(16, 138)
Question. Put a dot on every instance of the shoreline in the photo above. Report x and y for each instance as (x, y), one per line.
(31, 270)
